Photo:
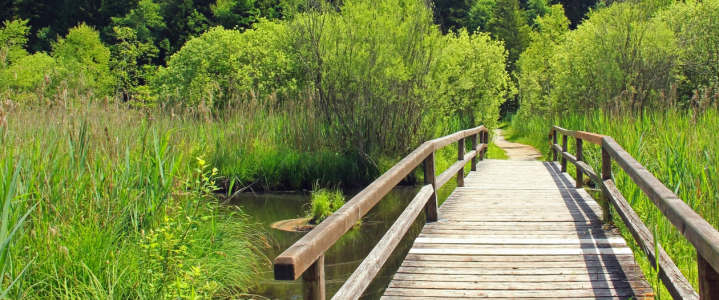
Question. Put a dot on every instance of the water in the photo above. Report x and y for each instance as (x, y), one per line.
(346, 255)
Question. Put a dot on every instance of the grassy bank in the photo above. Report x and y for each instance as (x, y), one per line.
(102, 201)
(676, 146)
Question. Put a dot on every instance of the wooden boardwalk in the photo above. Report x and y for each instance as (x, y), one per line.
(519, 230)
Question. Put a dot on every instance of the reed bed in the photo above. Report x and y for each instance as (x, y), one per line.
(107, 201)
(677, 146)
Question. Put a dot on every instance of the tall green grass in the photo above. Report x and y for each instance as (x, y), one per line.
(677, 146)
(105, 204)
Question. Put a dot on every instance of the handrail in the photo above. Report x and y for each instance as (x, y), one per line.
(702, 235)
(306, 257)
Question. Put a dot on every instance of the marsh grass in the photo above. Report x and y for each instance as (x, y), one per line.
(677, 146)
(323, 203)
(105, 204)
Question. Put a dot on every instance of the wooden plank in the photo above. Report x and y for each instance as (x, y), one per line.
(458, 166)
(708, 279)
(515, 271)
(515, 298)
(585, 277)
(517, 264)
(494, 241)
(524, 259)
(430, 179)
(702, 235)
(460, 157)
(553, 294)
(671, 276)
(501, 251)
(504, 286)
(294, 261)
(313, 280)
(371, 265)
(300, 256)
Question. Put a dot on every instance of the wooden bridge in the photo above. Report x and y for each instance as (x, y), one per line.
(518, 230)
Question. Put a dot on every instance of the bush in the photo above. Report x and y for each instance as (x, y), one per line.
(225, 64)
(619, 58)
(324, 203)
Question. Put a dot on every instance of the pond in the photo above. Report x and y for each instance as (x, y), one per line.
(347, 254)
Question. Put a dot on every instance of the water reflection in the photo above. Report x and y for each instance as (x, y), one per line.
(346, 255)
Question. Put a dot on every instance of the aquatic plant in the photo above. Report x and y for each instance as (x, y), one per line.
(323, 203)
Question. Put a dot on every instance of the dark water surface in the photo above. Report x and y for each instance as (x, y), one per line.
(346, 255)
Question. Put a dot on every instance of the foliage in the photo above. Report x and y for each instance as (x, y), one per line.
(224, 65)
(480, 15)
(115, 210)
(235, 13)
(509, 24)
(85, 59)
(536, 66)
(131, 66)
(452, 15)
(12, 39)
(470, 74)
(695, 26)
(621, 58)
(323, 203)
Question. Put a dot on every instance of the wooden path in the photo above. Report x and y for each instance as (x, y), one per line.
(519, 230)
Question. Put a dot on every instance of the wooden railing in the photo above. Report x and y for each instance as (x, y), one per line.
(306, 257)
(702, 235)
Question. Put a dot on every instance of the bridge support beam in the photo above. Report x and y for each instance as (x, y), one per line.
(460, 157)
(606, 175)
(564, 149)
(708, 279)
(430, 177)
(475, 138)
(580, 157)
(313, 280)
(554, 141)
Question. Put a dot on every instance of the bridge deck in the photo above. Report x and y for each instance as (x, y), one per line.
(519, 230)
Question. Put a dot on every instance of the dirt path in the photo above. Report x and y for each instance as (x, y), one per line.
(515, 151)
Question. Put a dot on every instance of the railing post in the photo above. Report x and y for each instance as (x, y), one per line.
(430, 177)
(708, 279)
(313, 280)
(580, 157)
(554, 142)
(474, 147)
(484, 136)
(460, 157)
(606, 175)
(564, 149)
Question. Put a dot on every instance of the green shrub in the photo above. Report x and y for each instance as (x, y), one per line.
(225, 64)
(323, 203)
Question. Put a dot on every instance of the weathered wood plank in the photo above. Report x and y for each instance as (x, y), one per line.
(512, 293)
(368, 269)
(545, 241)
(702, 235)
(299, 257)
(500, 251)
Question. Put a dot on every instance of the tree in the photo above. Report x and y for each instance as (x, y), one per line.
(534, 9)
(452, 14)
(183, 22)
(13, 38)
(235, 13)
(131, 64)
(509, 24)
(85, 59)
(480, 14)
